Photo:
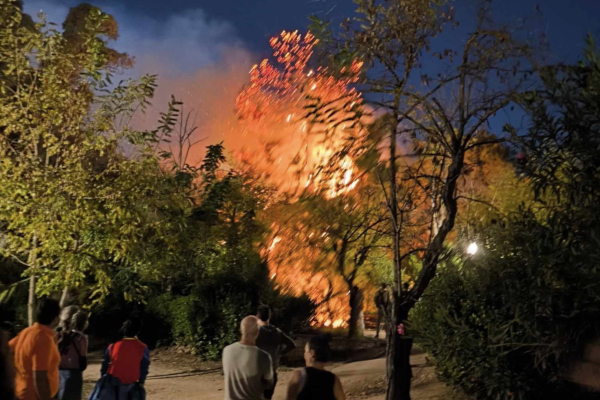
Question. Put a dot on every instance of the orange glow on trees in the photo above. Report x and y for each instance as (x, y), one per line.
(300, 156)
(275, 107)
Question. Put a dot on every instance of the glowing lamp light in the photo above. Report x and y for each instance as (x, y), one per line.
(472, 248)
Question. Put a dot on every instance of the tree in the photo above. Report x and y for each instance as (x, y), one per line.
(274, 107)
(343, 232)
(518, 319)
(71, 202)
(394, 39)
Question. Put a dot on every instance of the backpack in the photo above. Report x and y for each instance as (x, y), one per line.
(66, 340)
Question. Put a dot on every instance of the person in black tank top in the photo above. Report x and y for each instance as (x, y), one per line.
(314, 382)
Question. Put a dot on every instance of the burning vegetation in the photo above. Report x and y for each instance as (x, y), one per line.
(300, 156)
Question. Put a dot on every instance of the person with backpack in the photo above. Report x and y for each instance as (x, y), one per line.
(125, 367)
(72, 345)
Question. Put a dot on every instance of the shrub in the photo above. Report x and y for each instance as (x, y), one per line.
(506, 324)
(208, 320)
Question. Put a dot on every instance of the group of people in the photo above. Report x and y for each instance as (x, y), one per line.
(250, 365)
(49, 357)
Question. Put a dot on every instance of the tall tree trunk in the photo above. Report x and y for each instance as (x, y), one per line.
(66, 295)
(31, 300)
(399, 349)
(398, 386)
(355, 328)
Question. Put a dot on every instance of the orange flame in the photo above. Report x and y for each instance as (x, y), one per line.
(301, 153)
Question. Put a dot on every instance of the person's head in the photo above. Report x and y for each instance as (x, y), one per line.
(383, 286)
(249, 329)
(66, 316)
(131, 327)
(79, 321)
(47, 312)
(264, 313)
(317, 349)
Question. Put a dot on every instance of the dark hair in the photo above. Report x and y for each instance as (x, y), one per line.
(320, 345)
(264, 313)
(79, 320)
(47, 311)
(131, 327)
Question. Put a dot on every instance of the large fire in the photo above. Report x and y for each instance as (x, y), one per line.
(300, 153)
(300, 146)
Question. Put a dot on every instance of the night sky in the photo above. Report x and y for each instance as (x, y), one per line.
(565, 22)
(202, 50)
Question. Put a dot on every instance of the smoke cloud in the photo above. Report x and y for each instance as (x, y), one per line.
(199, 60)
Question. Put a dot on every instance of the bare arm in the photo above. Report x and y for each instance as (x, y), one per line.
(295, 386)
(287, 343)
(338, 390)
(42, 385)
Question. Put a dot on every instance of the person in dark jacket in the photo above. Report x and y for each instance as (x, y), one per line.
(127, 360)
(273, 341)
(314, 382)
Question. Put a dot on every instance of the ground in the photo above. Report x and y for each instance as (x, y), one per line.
(178, 376)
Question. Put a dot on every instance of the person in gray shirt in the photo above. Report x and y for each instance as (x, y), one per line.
(248, 370)
(273, 341)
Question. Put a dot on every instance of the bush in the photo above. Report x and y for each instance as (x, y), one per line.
(198, 324)
(289, 313)
(208, 320)
(507, 323)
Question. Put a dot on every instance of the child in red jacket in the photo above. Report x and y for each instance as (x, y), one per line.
(128, 359)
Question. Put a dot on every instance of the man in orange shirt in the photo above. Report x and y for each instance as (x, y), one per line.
(36, 355)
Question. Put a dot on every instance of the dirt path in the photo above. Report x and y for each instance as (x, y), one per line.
(182, 379)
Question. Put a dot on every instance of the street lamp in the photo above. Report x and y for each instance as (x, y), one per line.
(472, 248)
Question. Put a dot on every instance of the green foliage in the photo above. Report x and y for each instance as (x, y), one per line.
(208, 320)
(179, 313)
(507, 324)
(71, 204)
(89, 203)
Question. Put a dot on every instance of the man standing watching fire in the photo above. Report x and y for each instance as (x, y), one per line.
(273, 341)
(248, 370)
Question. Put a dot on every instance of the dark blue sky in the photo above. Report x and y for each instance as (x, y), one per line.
(565, 22)
(202, 49)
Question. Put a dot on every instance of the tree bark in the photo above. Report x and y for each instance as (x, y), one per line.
(64, 299)
(399, 348)
(31, 300)
(355, 329)
(397, 358)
